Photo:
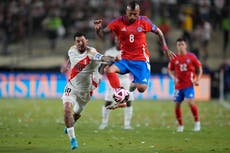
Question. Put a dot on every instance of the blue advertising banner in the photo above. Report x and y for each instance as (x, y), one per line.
(32, 85)
(51, 85)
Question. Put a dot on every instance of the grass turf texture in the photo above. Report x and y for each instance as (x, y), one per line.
(36, 126)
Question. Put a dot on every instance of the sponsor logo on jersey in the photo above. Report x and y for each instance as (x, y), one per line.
(144, 80)
(139, 29)
(123, 29)
(177, 62)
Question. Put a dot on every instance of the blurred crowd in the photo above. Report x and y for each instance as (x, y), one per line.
(196, 19)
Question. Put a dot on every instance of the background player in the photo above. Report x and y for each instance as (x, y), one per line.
(182, 70)
(131, 31)
(84, 77)
(125, 82)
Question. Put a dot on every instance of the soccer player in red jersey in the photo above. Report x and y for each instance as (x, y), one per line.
(131, 31)
(182, 70)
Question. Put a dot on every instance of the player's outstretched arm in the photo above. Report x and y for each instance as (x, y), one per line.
(107, 59)
(99, 30)
(167, 52)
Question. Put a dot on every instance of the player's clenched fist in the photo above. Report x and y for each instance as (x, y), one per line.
(98, 24)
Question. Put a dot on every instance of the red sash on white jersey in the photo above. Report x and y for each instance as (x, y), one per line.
(79, 67)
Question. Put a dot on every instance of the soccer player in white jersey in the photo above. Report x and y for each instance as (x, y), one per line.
(83, 78)
(125, 82)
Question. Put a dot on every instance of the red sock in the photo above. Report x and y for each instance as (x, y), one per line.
(178, 114)
(194, 110)
(113, 80)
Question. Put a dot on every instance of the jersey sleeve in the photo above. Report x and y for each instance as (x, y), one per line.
(150, 26)
(195, 61)
(72, 55)
(94, 54)
(113, 24)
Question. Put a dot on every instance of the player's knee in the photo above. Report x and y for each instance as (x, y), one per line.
(110, 70)
(113, 69)
(141, 89)
(191, 103)
(177, 104)
(67, 107)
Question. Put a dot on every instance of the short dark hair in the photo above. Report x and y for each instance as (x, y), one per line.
(78, 34)
(180, 39)
(133, 5)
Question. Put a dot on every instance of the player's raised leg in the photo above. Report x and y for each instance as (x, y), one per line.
(112, 76)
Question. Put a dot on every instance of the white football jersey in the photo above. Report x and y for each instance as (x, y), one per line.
(84, 68)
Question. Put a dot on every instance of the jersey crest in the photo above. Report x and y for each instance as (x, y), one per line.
(188, 60)
(139, 29)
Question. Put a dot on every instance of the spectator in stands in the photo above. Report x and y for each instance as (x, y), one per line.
(225, 68)
(8, 32)
(206, 68)
(187, 25)
(52, 24)
(204, 7)
(204, 31)
(226, 29)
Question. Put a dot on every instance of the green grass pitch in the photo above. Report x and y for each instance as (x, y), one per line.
(36, 126)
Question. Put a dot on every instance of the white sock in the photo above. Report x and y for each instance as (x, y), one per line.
(128, 113)
(105, 115)
(71, 132)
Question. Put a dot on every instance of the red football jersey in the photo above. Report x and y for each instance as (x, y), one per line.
(184, 67)
(132, 37)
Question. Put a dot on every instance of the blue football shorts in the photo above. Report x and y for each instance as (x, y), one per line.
(139, 69)
(180, 95)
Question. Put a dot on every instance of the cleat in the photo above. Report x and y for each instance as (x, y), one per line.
(180, 128)
(132, 87)
(65, 130)
(128, 127)
(197, 127)
(102, 126)
(115, 106)
(73, 143)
